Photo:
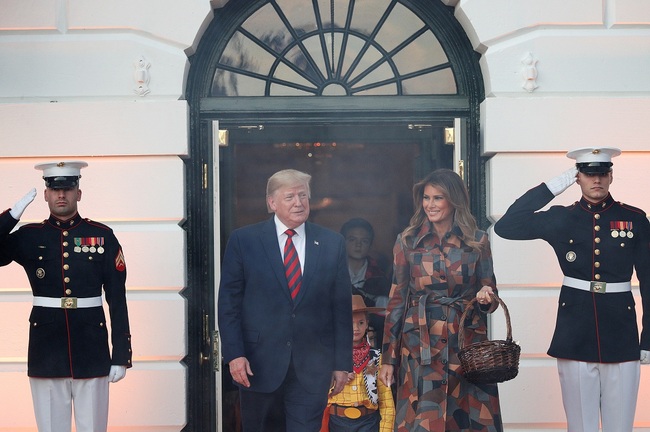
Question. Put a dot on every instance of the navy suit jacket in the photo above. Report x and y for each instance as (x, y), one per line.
(259, 320)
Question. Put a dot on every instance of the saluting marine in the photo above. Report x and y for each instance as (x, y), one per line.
(599, 242)
(69, 262)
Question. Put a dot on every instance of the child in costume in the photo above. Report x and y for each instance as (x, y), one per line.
(365, 404)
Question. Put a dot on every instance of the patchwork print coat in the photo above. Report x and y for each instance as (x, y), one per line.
(433, 281)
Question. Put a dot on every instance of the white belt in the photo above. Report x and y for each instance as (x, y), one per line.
(597, 286)
(68, 302)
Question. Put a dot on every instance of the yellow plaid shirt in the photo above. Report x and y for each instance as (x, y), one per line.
(354, 394)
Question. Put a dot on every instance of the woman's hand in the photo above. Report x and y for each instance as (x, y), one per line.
(484, 296)
(386, 374)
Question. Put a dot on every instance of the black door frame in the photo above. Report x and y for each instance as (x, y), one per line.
(199, 222)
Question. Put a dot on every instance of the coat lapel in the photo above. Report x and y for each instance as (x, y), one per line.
(269, 239)
(312, 257)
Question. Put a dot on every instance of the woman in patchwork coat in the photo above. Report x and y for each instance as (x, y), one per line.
(441, 262)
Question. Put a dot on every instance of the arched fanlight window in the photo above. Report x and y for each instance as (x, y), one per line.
(374, 47)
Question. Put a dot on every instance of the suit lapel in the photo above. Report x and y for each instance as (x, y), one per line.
(312, 257)
(269, 239)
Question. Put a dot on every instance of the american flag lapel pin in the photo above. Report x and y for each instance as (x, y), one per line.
(316, 242)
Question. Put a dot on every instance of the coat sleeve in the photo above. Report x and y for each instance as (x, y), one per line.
(485, 272)
(7, 223)
(642, 268)
(115, 293)
(229, 305)
(396, 304)
(522, 221)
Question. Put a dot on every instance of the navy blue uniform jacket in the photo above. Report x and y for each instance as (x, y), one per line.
(71, 342)
(590, 327)
(259, 321)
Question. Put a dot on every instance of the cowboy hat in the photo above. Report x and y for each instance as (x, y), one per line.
(358, 305)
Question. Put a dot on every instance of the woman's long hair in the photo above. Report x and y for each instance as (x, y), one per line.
(454, 190)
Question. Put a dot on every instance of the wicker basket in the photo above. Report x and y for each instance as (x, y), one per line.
(490, 361)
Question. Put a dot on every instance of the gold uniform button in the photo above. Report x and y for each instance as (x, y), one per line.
(66, 254)
(597, 276)
(66, 267)
(597, 227)
(40, 258)
(66, 279)
(65, 244)
(596, 216)
(65, 233)
(596, 264)
(597, 251)
(68, 291)
(597, 239)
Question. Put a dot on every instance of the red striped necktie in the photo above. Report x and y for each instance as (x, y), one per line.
(292, 265)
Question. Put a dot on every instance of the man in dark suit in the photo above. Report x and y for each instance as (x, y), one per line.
(286, 334)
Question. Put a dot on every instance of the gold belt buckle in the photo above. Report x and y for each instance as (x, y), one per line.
(598, 287)
(68, 302)
(352, 412)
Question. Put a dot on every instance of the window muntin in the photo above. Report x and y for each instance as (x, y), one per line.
(377, 47)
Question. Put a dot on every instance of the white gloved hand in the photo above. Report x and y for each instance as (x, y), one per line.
(645, 357)
(117, 373)
(559, 184)
(17, 210)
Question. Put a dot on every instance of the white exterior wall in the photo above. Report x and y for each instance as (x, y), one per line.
(67, 81)
(592, 90)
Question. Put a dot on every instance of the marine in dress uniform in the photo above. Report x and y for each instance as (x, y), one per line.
(69, 261)
(598, 242)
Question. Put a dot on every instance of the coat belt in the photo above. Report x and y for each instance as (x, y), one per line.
(68, 302)
(421, 319)
(597, 286)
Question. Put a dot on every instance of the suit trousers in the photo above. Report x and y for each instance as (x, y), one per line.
(594, 391)
(55, 398)
(290, 408)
